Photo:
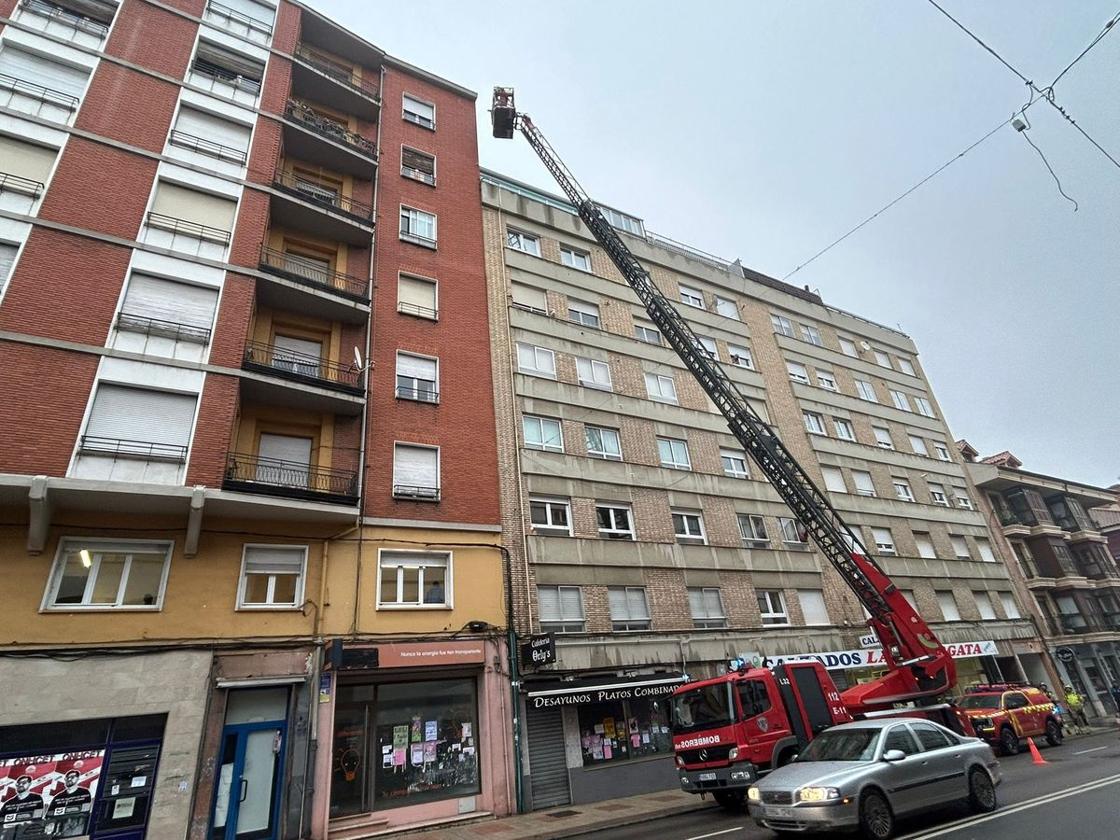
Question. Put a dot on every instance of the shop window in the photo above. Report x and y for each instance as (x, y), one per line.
(272, 576)
(414, 579)
(622, 730)
(100, 574)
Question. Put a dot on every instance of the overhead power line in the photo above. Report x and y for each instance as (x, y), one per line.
(1107, 28)
(979, 41)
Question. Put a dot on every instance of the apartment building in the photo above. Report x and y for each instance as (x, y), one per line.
(249, 494)
(646, 542)
(1057, 534)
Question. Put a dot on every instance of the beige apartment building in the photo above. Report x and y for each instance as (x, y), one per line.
(639, 533)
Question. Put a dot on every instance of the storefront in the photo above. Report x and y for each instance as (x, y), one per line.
(1092, 669)
(595, 738)
(418, 732)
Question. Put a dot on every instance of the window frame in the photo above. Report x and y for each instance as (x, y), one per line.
(54, 578)
(728, 454)
(548, 626)
(550, 502)
(846, 424)
(628, 620)
(522, 238)
(871, 492)
(687, 537)
(797, 372)
(886, 547)
(924, 407)
(417, 278)
(660, 378)
(301, 580)
(902, 489)
(782, 325)
(420, 120)
(811, 334)
(540, 418)
(906, 366)
(723, 303)
(574, 252)
(925, 538)
(753, 520)
(593, 365)
(845, 343)
(707, 621)
(584, 319)
(866, 391)
(957, 540)
(935, 490)
(801, 599)
(641, 330)
(922, 449)
(814, 422)
(602, 454)
(882, 358)
(940, 448)
(827, 380)
(799, 531)
(687, 295)
(888, 442)
(961, 498)
(408, 171)
(416, 238)
(900, 400)
(744, 359)
(685, 465)
(627, 534)
(416, 393)
(770, 613)
(837, 473)
(536, 349)
(448, 581)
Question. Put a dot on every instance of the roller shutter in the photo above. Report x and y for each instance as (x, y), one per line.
(548, 766)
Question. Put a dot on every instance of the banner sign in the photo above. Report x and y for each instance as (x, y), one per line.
(873, 657)
(550, 694)
(48, 795)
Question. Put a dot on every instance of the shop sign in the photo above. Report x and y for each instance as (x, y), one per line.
(49, 795)
(871, 640)
(1065, 654)
(420, 655)
(539, 650)
(873, 657)
(577, 695)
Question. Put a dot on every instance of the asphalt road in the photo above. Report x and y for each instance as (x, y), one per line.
(1075, 795)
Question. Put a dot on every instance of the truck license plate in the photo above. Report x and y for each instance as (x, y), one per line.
(707, 777)
(778, 813)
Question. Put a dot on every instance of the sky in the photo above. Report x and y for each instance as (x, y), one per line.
(765, 131)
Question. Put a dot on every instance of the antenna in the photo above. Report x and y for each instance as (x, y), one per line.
(358, 359)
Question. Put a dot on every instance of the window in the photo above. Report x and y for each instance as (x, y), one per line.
(812, 606)
(706, 607)
(883, 437)
(418, 227)
(127, 422)
(1010, 608)
(900, 401)
(542, 433)
(937, 494)
(538, 361)
(740, 355)
(782, 325)
(864, 485)
(272, 576)
(902, 489)
(942, 452)
(866, 391)
(7, 260)
(603, 443)
(884, 541)
(834, 479)
(561, 609)
(727, 308)
(647, 334)
(900, 739)
(811, 334)
(797, 372)
(688, 527)
(167, 309)
(814, 423)
(417, 579)
(417, 296)
(709, 345)
(187, 212)
(906, 366)
(772, 606)
(930, 737)
(826, 380)
(948, 604)
(661, 388)
(674, 453)
(417, 111)
(416, 472)
(25, 167)
(630, 224)
(882, 359)
(211, 135)
(984, 546)
(575, 259)
(593, 373)
(418, 165)
(962, 498)
(615, 522)
(960, 547)
(417, 378)
(586, 314)
(523, 242)
(529, 298)
(229, 68)
(104, 574)
(843, 428)
(629, 610)
(793, 532)
(65, 84)
(925, 545)
(918, 445)
(550, 516)
(734, 463)
(848, 347)
(752, 527)
(984, 604)
(924, 407)
(692, 297)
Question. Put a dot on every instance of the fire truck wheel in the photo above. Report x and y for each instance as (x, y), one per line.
(981, 792)
(729, 800)
(875, 817)
(1053, 733)
(1008, 741)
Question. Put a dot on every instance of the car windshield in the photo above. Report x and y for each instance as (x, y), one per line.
(979, 701)
(703, 708)
(842, 745)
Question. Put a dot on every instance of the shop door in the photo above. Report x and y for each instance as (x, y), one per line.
(548, 765)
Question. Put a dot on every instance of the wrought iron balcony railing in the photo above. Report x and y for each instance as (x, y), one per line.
(422, 394)
(305, 116)
(340, 73)
(21, 185)
(252, 473)
(207, 147)
(43, 94)
(416, 492)
(322, 195)
(165, 329)
(240, 17)
(53, 11)
(417, 310)
(143, 450)
(279, 361)
(291, 266)
(186, 228)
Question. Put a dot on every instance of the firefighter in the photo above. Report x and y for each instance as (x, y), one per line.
(1076, 705)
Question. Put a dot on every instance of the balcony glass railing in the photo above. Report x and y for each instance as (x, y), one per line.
(339, 72)
(322, 194)
(288, 364)
(311, 273)
(306, 116)
(274, 476)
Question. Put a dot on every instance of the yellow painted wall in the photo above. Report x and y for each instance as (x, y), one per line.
(267, 323)
(255, 419)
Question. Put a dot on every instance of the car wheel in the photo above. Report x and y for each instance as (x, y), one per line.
(1054, 733)
(729, 800)
(981, 792)
(875, 817)
(1008, 741)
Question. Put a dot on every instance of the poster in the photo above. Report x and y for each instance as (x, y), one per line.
(400, 737)
(466, 729)
(431, 730)
(398, 757)
(429, 752)
(50, 795)
(608, 727)
(416, 730)
(417, 755)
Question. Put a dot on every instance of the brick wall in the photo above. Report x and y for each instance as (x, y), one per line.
(109, 107)
(213, 432)
(153, 38)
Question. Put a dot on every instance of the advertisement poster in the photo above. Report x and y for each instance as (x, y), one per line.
(48, 795)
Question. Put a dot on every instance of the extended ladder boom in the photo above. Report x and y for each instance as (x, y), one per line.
(920, 666)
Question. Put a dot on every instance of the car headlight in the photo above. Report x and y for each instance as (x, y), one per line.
(754, 794)
(733, 754)
(817, 794)
(680, 761)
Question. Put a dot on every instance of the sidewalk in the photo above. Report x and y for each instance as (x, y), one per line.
(571, 820)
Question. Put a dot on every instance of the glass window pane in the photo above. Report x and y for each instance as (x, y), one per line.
(144, 576)
(73, 583)
(411, 587)
(108, 581)
(388, 592)
(256, 589)
(285, 590)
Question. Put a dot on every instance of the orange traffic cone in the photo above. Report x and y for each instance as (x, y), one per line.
(1036, 756)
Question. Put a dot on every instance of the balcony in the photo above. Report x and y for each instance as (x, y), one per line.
(18, 193)
(31, 98)
(335, 83)
(307, 273)
(117, 459)
(225, 82)
(420, 391)
(297, 367)
(162, 329)
(325, 141)
(319, 208)
(55, 19)
(323, 196)
(182, 227)
(140, 449)
(207, 147)
(239, 23)
(249, 473)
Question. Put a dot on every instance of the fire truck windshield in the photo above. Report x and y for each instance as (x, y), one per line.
(980, 701)
(703, 708)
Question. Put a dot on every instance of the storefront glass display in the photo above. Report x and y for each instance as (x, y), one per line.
(624, 729)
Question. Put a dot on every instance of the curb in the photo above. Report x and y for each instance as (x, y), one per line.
(619, 822)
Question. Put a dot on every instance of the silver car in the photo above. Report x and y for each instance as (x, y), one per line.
(863, 775)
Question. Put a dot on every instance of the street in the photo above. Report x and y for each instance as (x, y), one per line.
(1076, 790)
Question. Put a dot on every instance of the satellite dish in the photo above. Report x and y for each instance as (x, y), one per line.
(865, 345)
(357, 358)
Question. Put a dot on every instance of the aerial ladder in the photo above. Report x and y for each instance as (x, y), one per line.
(918, 666)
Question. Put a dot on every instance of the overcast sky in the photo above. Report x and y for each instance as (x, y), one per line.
(766, 130)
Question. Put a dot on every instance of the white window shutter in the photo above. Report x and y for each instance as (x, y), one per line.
(273, 559)
(297, 347)
(529, 297)
(26, 159)
(636, 604)
(571, 605)
(548, 602)
(416, 366)
(416, 292)
(123, 413)
(7, 260)
(295, 450)
(39, 70)
(209, 127)
(194, 206)
(616, 598)
(166, 300)
(415, 466)
(422, 109)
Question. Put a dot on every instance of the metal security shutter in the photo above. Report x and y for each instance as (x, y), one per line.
(194, 206)
(294, 450)
(415, 466)
(26, 159)
(166, 300)
(42, 71)
(123, 413)
(208, 127)
(548, 767)
(416, 367)
(273, 560)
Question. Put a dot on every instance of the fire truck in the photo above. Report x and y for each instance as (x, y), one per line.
(728, 729)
